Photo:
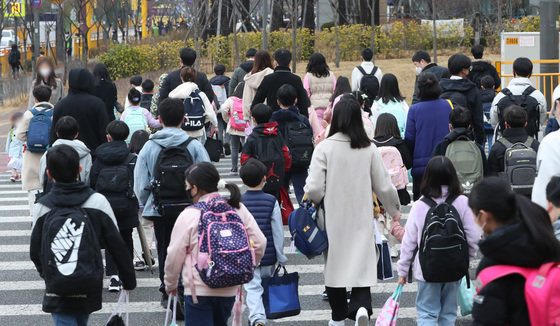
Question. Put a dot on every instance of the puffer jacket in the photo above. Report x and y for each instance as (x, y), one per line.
(481, 68)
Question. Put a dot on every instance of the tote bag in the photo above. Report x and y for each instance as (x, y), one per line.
(280, 296)
(390, 311)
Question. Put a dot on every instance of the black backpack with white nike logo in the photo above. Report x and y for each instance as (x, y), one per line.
(70, 253)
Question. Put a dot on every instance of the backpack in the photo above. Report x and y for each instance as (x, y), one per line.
(299, 138)
(236, 121)
(526, 101)
(456, 98)
(396, 109)
(269, 152)
(194, 112)
(116, 183)
(542, 289)
(220, 93)
(225, 255)
(443, 251)
(369, 84)
(520, 165)
(306, 235)
(467, 160)
(13, 58)
(70, 252)
(394, 164)
(168, 186)
(135, 120)
(486, 107)
(39, 130)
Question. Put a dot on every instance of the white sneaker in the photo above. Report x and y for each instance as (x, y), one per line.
(362, 317)
(336, 323)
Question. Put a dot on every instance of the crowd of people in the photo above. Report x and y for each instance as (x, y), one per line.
(95, 170)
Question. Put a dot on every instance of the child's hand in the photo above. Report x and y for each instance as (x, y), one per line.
(172, 292)
(402, 280)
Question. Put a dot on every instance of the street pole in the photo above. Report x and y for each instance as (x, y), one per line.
(264, 25)
(36, 37)
(549, 43)
(435, 29)
(144, 9)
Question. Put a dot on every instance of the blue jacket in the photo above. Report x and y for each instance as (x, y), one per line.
(144, 170)
(282, 117)
(551, 125)
(426, 126)
(266, 211)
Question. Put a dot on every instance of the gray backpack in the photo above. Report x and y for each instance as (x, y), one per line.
(520, 165)
(467, 160)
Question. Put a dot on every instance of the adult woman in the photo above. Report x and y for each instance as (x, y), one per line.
(427, 124)
(319, 82)
(346, 169)
(390, 100)
(46, 76)
(261, 67)
(518, 232)
(105, 89)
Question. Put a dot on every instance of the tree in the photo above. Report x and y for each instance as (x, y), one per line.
(3, 8)
(293, 7)
(83, 24)
(335, 10)
(277, 15)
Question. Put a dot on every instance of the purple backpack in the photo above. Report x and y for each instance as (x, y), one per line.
(225, 255)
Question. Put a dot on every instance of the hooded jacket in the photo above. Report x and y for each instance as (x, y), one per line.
(173, 79)
(481, 68)
(487, 95)
(439, 71)
(145, 165)
(83, 153)
(99, 212)
(498, 150)
(87, 109)
(239, 74)
(264, 133)
(221, 80)
(252, 83)
(548, 165)
(112, 154)
(183, 91)
(441, 148)
(464, 92)
(502, 302)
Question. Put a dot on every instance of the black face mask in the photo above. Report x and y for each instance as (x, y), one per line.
(190, 196)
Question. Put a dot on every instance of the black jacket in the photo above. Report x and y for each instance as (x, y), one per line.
(441, 148)
(406, 155)
(107, 92)
(481, 68)
(112, 154)
(498, 150)
(87, 109)
(439, 71)
(100, 213)
(282, 117)
(239, 74)
(502, 302)
(174, 79)
(464, 92)
(270, 85)
(487, 95)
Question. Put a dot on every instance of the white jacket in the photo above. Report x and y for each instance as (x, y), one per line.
(182, 92)
(368, 68)
(548, 165)
(517, 86)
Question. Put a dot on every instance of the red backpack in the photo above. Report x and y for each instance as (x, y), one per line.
(542, 289)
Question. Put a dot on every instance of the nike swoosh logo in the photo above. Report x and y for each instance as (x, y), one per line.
(66, 245)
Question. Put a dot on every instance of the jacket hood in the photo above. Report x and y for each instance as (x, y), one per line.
(514, 132)
(286, 115)
(80, 80)
(169, 137)
(481, 65)
(76, 144)
(219, 80)
(456, 133)
(430, 66)
(247, 65)
(43, 106)
(184, 90)
(487, 95)
(387, 141)
(112, 153)
(254, 80)
(459, 85)
(267, 129)
(68, 194)
(520, 82)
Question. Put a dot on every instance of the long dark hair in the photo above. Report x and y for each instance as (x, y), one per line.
(101, 74)
(137, 141)
(387, 126)
(205, 176)
(347, 118)
(389, 89)
(342, 87)
(262, 61)
(51, 80)
(318, 66)
(440, 172)
(494, 195)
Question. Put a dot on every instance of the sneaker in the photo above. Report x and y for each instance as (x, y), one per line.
(114, 285)
(140, 266)
(259, 324)
(234, 173)
(227, 149)
(13, 177)
(394, 252)
(362, 317)
(325, 296)
(336, 323)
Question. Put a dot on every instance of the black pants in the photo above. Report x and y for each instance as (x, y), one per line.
(111, 268)
(361, 297)
(162, 230)
(416, 181)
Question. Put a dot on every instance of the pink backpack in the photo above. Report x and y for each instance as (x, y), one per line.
(236, 121)
(394, 164)
(542, 289)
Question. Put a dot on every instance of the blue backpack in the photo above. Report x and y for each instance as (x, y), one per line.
(195, 115)
(39, 130)
(486, 107)
(306, 235)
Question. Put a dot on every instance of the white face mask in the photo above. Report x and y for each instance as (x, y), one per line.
(481, 228)
(45, 72)
(418, 70)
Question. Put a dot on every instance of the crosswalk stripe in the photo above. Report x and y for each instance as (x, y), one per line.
(15, 219)
(14, 208)
(15, 233)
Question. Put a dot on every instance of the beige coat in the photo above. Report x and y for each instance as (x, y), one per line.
(347, 178)
(31, 161)
(252, 83)
(57, 93)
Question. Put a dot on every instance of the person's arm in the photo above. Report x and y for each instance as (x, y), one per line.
(31, 101)
(178, 248)
(165, 88)
(209, 110)
(409, 242)
(102, 122)
(207, 89)
(260, 95)
(496, 77)
(287, 158)
(234, 81)
(23, 127)
(255, 234)
(226, 109)
(316, 183)
(492, 164)
(542, 106)
(477, 118)
(484, 160)
(278, 234)
(306, 84)
(151, 121)
(56, 115)
(356, 76)
(303, 100)
(471, 230)
(382, 185)
(35, 245)
(314, 122)
(494, 117)
(198, 152)
(415, 94)
(94, 174)
(410, 131)
(405, 155)
(114, 245)
(142, 176)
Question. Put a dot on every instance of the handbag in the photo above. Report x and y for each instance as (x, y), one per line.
(214, 149)
(384, 263)
(280, 296)
(465, 297)
(116, 317)
(174, 318)
(390, 311)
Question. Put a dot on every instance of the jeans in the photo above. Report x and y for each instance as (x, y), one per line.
(490, 138)
(70, 320)
(111, 268)
(340, 307)
(436, 303)
(254, 294)
(298, 181)
(162, 230)
(236, 142)
(209, 311)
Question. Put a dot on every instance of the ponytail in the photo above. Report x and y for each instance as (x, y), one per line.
(234, 195)
(205, 176)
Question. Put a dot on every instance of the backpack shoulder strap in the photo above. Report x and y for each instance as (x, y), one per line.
(528, 91)
(529, 142)
(188, 141)
(429, 201)
(506, 142)
(374, 70)
(450, 104)
(361, 69)
(506, 92)
(450, 200)
(493, 273)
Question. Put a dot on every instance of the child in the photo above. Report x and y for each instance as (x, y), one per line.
(366, 116)
(112, 176)
(265, 145)
(220, 85)
(342, 87)
(136, 117)
(487, 94)
(436, 302)
(67, 130)
(135, 83)
(390, 100)
(147, 94)
(301, 147)
(232, 114)
(266, 211)
(14, 148)
(515, 132)
(553, 204)
(80, 294)
(214, 305)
